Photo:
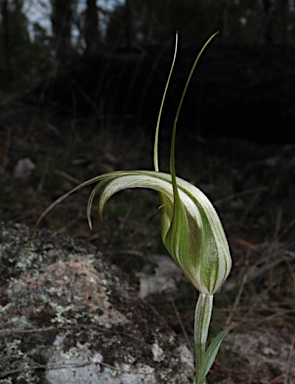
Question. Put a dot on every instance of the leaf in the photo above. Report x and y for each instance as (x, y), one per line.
(212, 350)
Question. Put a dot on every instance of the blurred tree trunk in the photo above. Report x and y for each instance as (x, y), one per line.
(268, 21)
(223, 20)
(91, 27)
(128, 28)
(62, 21)
(6, 38)
(284, 11)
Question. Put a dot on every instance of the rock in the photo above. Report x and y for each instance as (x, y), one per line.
(24, 168)
(165, 277)
(69, 316)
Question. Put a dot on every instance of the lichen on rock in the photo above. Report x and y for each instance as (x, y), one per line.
(68, 315)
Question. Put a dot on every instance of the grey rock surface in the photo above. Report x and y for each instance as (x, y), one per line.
(68, 316)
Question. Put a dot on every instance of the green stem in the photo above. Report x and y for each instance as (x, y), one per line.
(156, 144)
(202, 321)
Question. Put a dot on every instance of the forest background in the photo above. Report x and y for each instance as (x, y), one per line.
(39, 38)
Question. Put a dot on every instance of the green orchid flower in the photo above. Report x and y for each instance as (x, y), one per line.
(191, 229)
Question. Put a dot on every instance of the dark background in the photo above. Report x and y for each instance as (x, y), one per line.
(110, 61)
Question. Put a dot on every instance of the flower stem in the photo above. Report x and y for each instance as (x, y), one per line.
(202, 321)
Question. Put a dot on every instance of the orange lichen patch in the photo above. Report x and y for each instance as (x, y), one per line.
(66, 288)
